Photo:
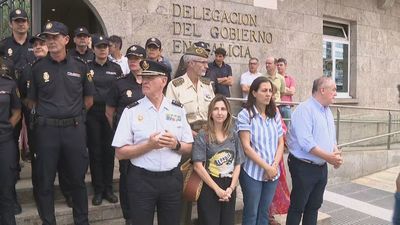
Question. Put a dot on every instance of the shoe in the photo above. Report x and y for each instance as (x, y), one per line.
(17, 208)
(128, 222)
(97, 199)
(109, 196)
(272, 221)
(68, 200)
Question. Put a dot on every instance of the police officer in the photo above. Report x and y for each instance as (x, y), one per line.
(10, 114)
(61, 85)
(195, 93)
(126, 90)
(153, 133)
(39, 50)
(99, 131)
(82, 40)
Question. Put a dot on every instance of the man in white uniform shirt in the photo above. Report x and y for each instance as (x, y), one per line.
(153, 133)
(116, 54)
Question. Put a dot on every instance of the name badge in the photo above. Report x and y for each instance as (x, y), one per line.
(73, 74)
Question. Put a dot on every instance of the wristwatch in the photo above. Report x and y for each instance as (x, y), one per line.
(178, 146)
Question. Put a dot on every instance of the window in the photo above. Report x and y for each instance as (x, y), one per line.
(336, 55)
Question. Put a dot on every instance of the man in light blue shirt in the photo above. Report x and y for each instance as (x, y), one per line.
(312, 143)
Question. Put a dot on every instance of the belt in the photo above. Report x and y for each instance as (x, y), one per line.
(67, 122)
(153, 173)
(292, 157)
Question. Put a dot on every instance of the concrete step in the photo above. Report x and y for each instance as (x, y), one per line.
(105, 212)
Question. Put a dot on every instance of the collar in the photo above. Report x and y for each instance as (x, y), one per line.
(65, 60)
(86, 52)
(318, 105)
(188, 83)
(25, 42)
(215, 64)
(97, 64)
(149, 105)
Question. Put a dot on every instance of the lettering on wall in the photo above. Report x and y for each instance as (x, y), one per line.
(228, 29)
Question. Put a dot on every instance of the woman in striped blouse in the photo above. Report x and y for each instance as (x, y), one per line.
(261, 134)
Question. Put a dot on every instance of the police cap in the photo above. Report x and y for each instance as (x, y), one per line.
(100, 39)
(153, 68)
(38, 37)
(153, 41)
(136, 50)
(81, 30)
(18, 14)
(54, 28)
(203, 44)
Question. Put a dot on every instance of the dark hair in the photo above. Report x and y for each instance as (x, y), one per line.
(220, 51)
(117, 40)
(270, 109)
(282, 60)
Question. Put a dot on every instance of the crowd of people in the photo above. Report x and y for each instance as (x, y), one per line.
(84, 106)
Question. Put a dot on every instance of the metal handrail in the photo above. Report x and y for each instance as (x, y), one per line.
(368, 139)
(332, 105)
(338, 120)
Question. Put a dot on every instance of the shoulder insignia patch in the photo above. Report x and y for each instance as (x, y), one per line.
(132, 105)
(205, 80)
(174, 102)
(178, 81)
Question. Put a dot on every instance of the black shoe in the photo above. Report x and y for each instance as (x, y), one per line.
(97, 199)
(109, 196)
(128, 222)
(17, 208)
(68, 200)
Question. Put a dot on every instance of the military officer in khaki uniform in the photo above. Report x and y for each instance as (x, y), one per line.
(192, 89)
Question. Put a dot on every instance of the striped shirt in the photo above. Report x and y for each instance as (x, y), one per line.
(264, 135)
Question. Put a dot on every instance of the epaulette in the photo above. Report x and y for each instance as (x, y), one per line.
(178, 81)
(174, 102)
(132, 105)
(205, 80)
(37, 60)
(121, 76)
(6, 76)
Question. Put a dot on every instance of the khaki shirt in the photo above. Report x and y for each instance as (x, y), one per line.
(279, 82)
(195, 102)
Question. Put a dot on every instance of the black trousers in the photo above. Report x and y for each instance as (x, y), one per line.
(306, 198)
(213, 212)
(101, 154)
(123, 191)
(53, 146)
(8, 169)
(148, 191)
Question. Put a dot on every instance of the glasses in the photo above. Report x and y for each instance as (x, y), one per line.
(202, 62)
(253, 63)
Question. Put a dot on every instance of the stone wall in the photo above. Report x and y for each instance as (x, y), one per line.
(296, 30)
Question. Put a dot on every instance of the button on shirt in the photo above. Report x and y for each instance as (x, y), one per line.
(214, 72)
(124, 91)
(139, 122)
(312, 125)
(264, 135)
(194, 100)
(103, 78)
(9, 100)
(59, 87)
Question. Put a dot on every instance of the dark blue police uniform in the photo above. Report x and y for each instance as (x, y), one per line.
(9, 100)
(99, 131)
(58, 89)
(125, 91)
